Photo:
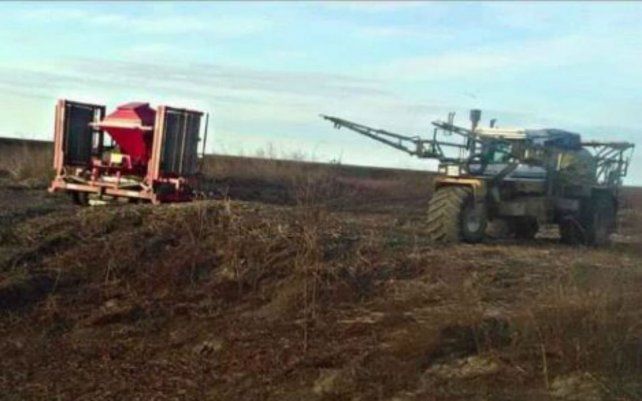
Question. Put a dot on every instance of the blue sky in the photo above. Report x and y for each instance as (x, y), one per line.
(266, 70)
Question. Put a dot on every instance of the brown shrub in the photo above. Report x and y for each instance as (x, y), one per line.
(26, 161)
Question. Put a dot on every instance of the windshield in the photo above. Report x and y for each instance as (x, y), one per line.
(497, 152)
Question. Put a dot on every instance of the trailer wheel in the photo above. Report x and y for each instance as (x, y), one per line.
(80, 198)
(453, 216)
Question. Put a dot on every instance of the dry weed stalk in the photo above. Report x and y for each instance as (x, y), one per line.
(308, 263)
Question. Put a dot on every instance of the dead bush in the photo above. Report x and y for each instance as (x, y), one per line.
(26, 162)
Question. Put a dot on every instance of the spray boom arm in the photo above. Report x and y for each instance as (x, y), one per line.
(413, 145)
(611, 158)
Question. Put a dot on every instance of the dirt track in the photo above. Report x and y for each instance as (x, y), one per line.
(224, 300)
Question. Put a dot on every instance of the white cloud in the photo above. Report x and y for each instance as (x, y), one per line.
(240, 96)
(501, 59)
(372, 6)
(401, 32)
(545, 17)
(156, 24)
(532, 16)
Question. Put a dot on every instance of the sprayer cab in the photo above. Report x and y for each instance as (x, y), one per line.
(136, 152)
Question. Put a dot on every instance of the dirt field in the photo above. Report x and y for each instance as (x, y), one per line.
(313, 283)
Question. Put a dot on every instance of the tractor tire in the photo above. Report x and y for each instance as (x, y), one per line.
(599, 221)
(595, 224)
(524, 228)
(454, 217)
(571, 231)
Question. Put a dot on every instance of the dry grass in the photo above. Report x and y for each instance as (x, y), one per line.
(586, 322)
(298, 298)
(336, 186)
(26, 162)
(327, 296)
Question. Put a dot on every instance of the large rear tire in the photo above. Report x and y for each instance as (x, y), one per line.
(595, 224)
(600, 220)
(571, 231)
(453, 216)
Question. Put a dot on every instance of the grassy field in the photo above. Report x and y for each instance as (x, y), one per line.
(314, 282)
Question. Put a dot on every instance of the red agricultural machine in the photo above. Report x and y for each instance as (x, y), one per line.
(147, 155)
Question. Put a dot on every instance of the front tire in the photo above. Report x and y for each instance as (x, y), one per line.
(454, 216)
